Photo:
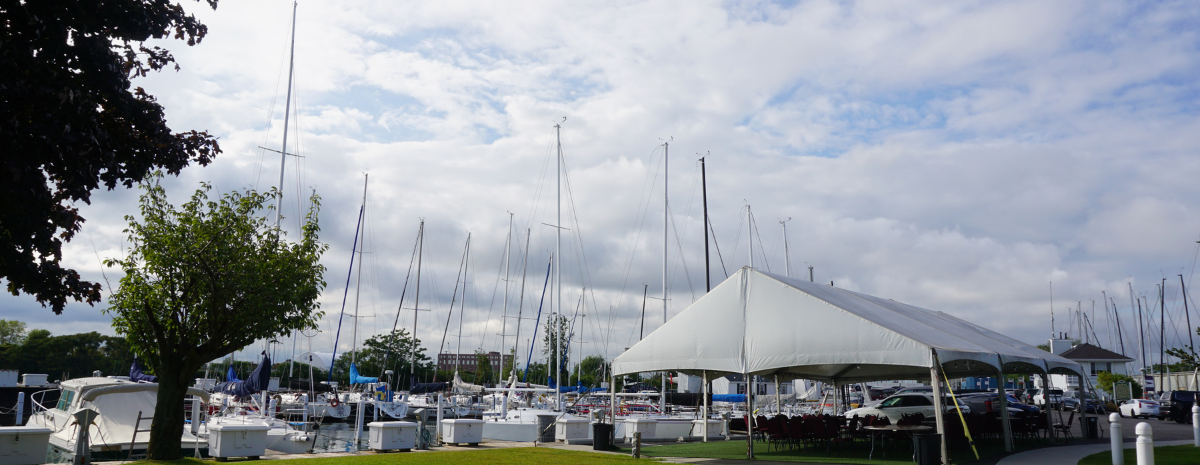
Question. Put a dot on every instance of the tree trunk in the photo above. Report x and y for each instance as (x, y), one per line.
(167, 430)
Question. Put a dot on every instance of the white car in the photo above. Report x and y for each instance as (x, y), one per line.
(904, 404)
(1138, 408)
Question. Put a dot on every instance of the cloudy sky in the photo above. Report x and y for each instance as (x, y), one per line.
(959, 156)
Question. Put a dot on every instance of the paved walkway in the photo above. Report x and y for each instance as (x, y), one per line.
(1069, 455)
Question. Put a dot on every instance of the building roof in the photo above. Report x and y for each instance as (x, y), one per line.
(1090, 352)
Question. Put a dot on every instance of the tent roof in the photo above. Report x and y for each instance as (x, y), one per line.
(766, 324)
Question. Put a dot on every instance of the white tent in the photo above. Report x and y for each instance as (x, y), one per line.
(759, 323)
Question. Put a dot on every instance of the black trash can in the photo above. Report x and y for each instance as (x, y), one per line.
(929, 448)
(546, 428)
(602, 436)
(1091, 427)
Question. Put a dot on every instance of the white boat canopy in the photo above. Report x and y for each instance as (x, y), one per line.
(765, 324)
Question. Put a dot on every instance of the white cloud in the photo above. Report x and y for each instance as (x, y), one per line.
(957, 156)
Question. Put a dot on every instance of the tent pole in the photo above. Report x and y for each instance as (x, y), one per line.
(778, 405)
(1046, 404)
(1005, 421)
(938, 408)
(749, 417)
(704, 393)
(612, 401)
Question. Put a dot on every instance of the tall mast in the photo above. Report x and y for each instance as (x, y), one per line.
(287, 112)
(1053, 335)
(507, 266)
(462, 305)
(787, 262)
(358, 280)
(1162, 322)
(412, 372)
(662, 398)
(1120, 334)
(557, 307)
(1187, 314)
(749, 237)
(704, 196)
(1139, 307)
(521, 301)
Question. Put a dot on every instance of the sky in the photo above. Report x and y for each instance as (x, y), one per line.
(991, 160)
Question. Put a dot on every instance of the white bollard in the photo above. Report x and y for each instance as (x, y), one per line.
(271, 406)
(1114, 432)
(1196, 425)
(1145, 444)
(358, 427)
(195, 415)
(20, 409)
(438, 427)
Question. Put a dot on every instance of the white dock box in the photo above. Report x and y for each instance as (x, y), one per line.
(646, 426)
(8, 378)
(714, 428)
(462, 431)
(237, 440)
(30, 379)
(571, 428)
(23, 445)
(390, 435)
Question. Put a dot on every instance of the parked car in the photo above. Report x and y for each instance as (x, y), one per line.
(1055, 400)
(1176, 405)
(987, 402)
(905, 404)
(1071, 402)
(1138, 408)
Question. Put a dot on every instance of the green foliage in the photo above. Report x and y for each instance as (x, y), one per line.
(1165, 455)
(1187, 358)
(12, 332)
(205, 280)
(397, 348)
(483, 368)
(1105, 381)
(550, 340)
(69, 356)
(592, 371)
(72, 121)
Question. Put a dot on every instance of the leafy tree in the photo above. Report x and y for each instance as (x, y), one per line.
(550, 346)
(592, 371)
(1105, 381)
(396, 347)
(72, 355)
(70, 121)
(483, 367)
(12, 332)
(204, 281)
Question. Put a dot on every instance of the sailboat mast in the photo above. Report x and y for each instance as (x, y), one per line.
(1162, 322)
(704, 196)
(1187, 314)
(287, 112)
(557, 307)
(662, 398)
(749, 236)
(1120, 334)
(358, 279)
(462, 305)
(507, 266)
(412, 369)
(1141, 332)
(787, 262)
(521, 301)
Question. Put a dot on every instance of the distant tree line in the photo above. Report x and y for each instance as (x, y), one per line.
(61, 357)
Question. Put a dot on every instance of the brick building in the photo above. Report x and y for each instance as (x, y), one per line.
(466, 362)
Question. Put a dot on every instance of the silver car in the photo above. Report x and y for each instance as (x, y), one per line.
(908, 403)
(1138, 408)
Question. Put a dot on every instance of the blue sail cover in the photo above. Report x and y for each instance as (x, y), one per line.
(231, 375)
(736, 398)
(136, 375)
(258, 380)
(356, 379)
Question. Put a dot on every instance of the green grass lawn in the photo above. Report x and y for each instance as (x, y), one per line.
(897, 452)
(1166, 455)
(515, 456)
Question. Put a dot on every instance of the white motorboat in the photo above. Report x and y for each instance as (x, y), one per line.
(124, 411)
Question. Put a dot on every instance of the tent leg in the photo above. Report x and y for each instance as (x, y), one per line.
(612, 401)
(938, 408)
(778, 405)
(1005, 422)
(749, 416)
(704, 394)
(1046, 404)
